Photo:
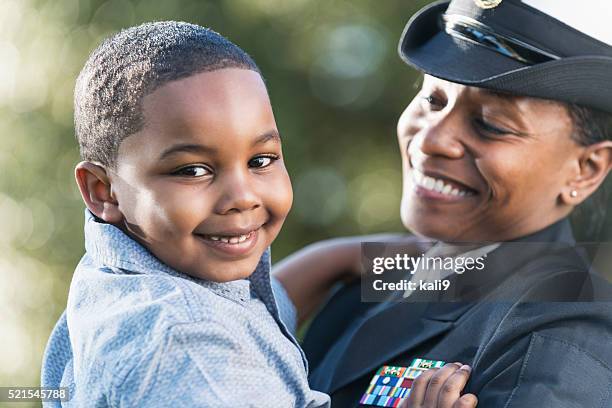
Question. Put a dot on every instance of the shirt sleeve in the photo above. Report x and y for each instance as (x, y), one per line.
(286, 308)
(199, 365)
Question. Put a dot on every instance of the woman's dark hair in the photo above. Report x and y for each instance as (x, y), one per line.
(591, 221)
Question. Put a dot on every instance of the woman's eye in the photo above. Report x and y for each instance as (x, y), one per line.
(433, 101)
(261, 161)
(193, 171)
(488, 128)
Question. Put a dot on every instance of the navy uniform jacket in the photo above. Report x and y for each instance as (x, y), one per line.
(539, 347)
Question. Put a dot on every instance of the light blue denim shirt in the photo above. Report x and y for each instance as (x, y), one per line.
(137, 333)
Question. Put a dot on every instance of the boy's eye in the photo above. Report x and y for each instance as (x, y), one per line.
(261, 161)
(193, 171)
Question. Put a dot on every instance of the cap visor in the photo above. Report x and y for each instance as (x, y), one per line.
(428, 48)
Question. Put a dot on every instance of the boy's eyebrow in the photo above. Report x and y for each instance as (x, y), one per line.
(186, 147)
(198, 148)
(270, 135)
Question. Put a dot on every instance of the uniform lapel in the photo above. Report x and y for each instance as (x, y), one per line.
(394, 330)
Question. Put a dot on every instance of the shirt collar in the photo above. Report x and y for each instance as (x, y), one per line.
(110, 246)
(444, 249)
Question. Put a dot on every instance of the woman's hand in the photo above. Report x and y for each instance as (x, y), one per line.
(441, 388)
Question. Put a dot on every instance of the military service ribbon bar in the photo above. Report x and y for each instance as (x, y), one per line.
(391, 385)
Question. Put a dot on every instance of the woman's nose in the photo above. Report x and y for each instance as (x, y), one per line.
(238, 194)
(441, 134)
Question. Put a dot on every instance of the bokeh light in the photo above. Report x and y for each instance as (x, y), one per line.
(320, 196)
(347, 59)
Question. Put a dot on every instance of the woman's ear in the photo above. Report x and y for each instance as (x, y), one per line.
(96, 190)
(594, 164)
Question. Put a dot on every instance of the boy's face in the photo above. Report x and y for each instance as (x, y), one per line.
(203, 185)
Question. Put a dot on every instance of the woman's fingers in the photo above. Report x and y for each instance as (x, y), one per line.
(450, 391)
(437, 384)
(441, 388)
(466, 401)
(418, 389)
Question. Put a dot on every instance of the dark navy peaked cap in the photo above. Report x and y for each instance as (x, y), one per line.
(553, 49)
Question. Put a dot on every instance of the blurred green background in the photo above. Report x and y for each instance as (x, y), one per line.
(337, 86)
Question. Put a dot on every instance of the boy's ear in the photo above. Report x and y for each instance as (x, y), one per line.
(594, 165)
(95, 187)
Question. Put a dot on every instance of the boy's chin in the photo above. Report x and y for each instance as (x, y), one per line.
(226, 271)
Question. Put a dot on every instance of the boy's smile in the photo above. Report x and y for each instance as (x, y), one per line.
(203, 185)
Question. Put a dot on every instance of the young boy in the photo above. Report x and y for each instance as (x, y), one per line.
(185, 188)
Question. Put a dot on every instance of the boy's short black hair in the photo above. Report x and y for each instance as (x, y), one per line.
(130, 65)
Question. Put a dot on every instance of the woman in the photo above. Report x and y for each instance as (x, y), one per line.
(510, 132)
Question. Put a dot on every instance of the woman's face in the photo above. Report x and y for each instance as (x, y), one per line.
(480, 166)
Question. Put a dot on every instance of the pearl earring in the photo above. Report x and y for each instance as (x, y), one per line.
(573, 193)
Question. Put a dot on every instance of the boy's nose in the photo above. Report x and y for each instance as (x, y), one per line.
(237, 195)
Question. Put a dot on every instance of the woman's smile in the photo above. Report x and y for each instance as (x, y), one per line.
(430, 185)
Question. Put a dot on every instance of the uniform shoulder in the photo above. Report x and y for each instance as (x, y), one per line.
(570, 284)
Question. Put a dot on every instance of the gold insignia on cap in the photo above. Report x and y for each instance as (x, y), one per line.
(487, 4)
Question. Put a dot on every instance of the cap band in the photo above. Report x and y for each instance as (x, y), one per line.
(476, 32)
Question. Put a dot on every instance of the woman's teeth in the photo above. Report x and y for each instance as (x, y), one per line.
(434, 184)
(230, 239)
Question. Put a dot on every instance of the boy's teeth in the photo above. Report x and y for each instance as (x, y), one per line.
(230, 240)
(437, 185)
